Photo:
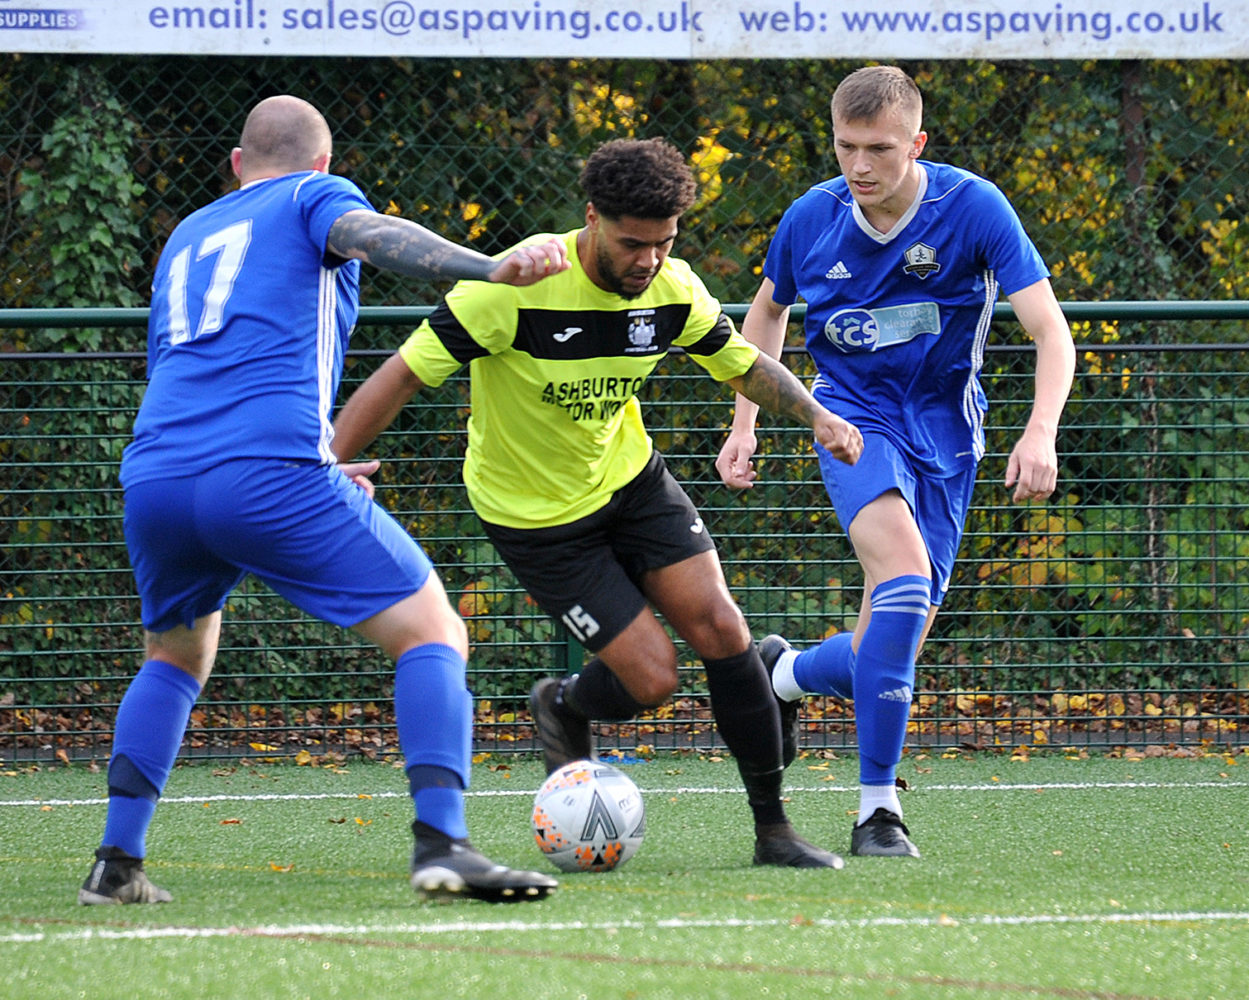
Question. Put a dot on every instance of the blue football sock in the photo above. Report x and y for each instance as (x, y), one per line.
(434, 716)
(151, 722)
(439, 797)
(885, 672)
(827, 668)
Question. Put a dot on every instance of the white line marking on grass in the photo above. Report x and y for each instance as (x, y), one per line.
(1077, 786)
(541, 927)
(530, 792)
(200, 799)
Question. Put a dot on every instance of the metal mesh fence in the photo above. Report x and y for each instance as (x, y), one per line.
(1115, 615)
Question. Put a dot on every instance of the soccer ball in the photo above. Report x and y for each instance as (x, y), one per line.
(588, 817)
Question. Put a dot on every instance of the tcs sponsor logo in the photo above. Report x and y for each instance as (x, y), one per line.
(857, 330)
(853, 330)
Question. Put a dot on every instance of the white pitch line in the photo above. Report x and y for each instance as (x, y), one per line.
(701, 790)
(541, 927)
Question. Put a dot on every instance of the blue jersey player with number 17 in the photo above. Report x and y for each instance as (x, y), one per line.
(231, 472)
(900, 262)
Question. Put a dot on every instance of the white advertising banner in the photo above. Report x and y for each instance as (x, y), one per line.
(654, 29)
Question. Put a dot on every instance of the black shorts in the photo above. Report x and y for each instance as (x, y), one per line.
(587, 573)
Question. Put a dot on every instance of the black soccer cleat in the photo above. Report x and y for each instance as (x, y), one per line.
(883, 835)
(779, 845)
(564, 736)
(770, 649)
(118, 877)
(451, 868)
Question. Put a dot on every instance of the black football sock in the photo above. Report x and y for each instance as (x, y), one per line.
(750, 725)
(597, 693)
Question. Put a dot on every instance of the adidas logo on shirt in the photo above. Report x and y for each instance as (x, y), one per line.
(837, 271)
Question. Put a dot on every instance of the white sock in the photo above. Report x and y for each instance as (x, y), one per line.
(873, 797)
(783, 682)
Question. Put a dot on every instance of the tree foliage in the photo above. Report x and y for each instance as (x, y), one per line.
(1126, 173)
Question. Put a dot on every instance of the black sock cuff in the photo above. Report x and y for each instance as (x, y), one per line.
(125, 778)
(432, 776)
(742, 663)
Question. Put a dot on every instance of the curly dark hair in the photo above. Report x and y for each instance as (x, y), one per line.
(642, 178)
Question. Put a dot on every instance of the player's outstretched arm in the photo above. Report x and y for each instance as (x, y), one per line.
(529, 264)
(396, 244)
(372, 407)
(764, 326)
(772, 386)
(1033, 464)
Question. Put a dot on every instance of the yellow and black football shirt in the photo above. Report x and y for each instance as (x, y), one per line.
(555, 427)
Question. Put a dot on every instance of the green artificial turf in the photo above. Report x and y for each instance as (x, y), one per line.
(1089, 878)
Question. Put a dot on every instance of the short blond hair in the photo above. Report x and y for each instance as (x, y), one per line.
(868, 92)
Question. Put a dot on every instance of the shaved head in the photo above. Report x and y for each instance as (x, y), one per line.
(282, 135)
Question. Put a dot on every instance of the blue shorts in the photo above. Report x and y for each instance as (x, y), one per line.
(307, 531)
(938, 505)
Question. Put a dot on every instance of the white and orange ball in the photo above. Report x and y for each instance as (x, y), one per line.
(588, 817)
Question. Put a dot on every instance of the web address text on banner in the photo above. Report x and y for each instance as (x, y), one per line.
(673, 29)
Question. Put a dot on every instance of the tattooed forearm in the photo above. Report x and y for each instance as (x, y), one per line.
(776, 389)
(399, 245)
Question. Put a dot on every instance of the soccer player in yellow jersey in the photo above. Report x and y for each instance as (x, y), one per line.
(570, 488)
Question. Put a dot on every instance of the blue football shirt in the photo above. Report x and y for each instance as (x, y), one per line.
(897, 322)
(249, 322)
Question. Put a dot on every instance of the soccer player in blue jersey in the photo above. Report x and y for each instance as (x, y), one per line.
(900, 262)
(231, 472)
